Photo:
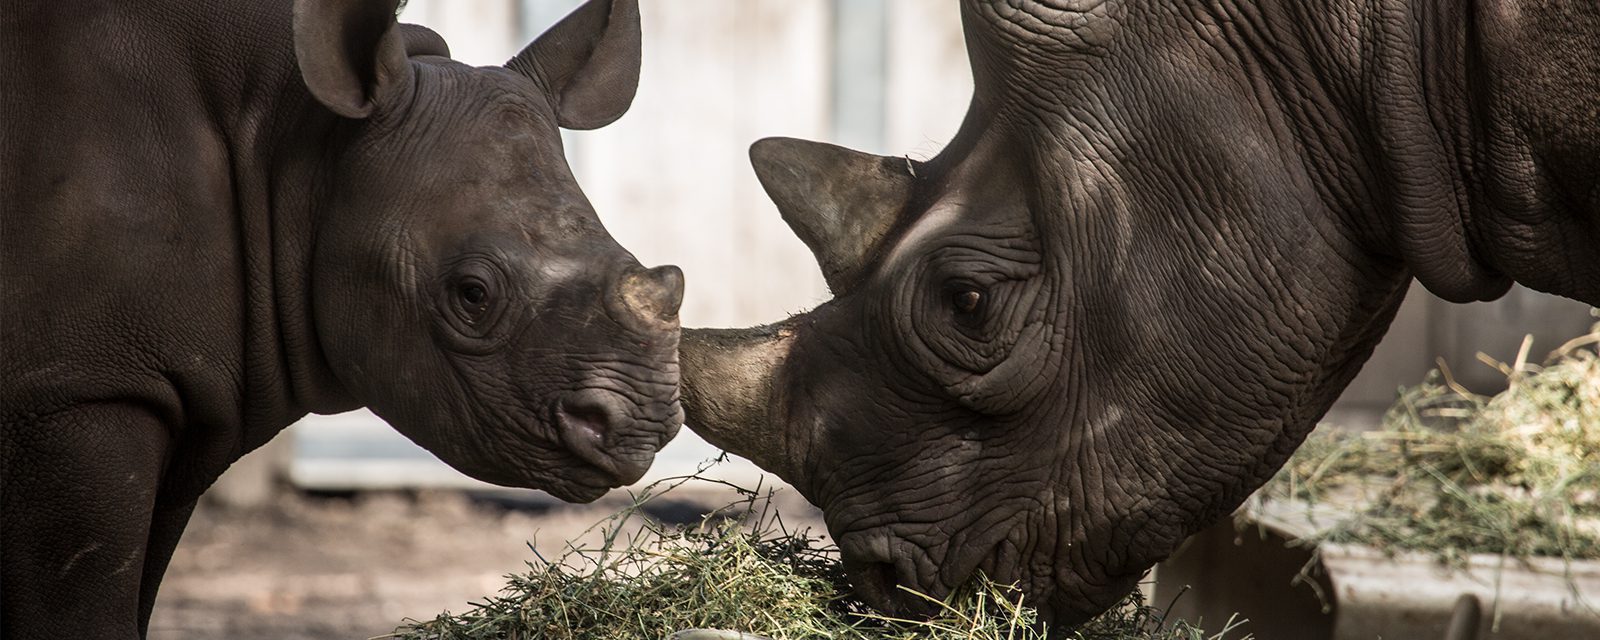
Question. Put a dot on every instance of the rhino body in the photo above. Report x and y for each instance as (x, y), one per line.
(220, 215)
(1165, 238)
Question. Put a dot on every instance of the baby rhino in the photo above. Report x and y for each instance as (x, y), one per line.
(221, 215)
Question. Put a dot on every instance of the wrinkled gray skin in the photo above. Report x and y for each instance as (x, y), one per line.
(222, 215)
(1165, 238)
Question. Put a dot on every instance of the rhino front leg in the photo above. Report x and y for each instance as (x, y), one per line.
(175, 502)
(166, 528)
(79, 491)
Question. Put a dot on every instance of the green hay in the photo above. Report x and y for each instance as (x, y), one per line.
(741, 571)
(1454, 473)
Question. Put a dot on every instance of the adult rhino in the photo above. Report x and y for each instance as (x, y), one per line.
(1165, 237)
(221, 215)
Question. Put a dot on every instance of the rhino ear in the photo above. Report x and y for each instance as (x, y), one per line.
(588, 63)
(422, 41)
(840, 202)
(350, 52)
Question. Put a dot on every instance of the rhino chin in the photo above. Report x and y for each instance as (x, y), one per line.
(728, 388)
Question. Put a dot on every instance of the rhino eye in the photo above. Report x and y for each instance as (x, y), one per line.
(967, 301)
(473, 294)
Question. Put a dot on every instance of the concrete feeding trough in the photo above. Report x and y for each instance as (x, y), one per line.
(1350, 592)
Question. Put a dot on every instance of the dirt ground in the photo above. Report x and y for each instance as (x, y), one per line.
(308, 567)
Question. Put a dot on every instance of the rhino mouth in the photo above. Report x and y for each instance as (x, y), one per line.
(883, 571)
(879, 584)
(904, 575)
(609, 445)
(596, 425)
(577, 447)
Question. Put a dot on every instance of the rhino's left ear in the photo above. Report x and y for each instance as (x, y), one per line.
(840, 202)
(588, 63)
(350, 52)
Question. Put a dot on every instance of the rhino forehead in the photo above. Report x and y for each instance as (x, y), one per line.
(1074, 24)
(938, 222)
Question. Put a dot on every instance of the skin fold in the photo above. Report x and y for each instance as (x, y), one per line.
(1165, 238)
(223, 215)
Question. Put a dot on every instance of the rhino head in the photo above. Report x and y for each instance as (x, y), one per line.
(1111, 307)
(463, 287)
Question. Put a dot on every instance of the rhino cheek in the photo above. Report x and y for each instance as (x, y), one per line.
(1018, 381)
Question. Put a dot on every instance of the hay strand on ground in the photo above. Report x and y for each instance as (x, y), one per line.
(740, 575)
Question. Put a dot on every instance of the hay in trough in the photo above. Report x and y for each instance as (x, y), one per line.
(1454, 473)
(740, 575)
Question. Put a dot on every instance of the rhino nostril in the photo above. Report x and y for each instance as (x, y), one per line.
(887, 577)
(591, 422)
(655, 294)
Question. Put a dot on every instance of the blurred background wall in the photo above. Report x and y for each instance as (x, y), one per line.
(672, 182)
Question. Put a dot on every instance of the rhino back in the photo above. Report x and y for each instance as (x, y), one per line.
(126, 230)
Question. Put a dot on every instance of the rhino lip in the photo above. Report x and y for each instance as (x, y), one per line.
(877, 583)
(881, 569)
(579, 493)
(882, 575)
(590, 423)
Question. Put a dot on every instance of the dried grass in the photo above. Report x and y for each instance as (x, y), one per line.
(1454, 473)
(741, 575)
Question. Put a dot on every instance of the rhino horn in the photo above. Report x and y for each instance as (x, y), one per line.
(728, 389)
(840, 202)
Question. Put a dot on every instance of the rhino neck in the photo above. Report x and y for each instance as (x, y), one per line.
(1414, 91)
(283, 220)
(1377, 94)
(279, 141)
(1530, 73)
(1471, 131)
(1476, 122)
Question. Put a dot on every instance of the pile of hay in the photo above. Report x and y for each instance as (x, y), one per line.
(740, 573)
(1454, 473)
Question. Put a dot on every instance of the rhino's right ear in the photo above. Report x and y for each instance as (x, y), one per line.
(350, 52)
(588, 63)
(840, 202)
